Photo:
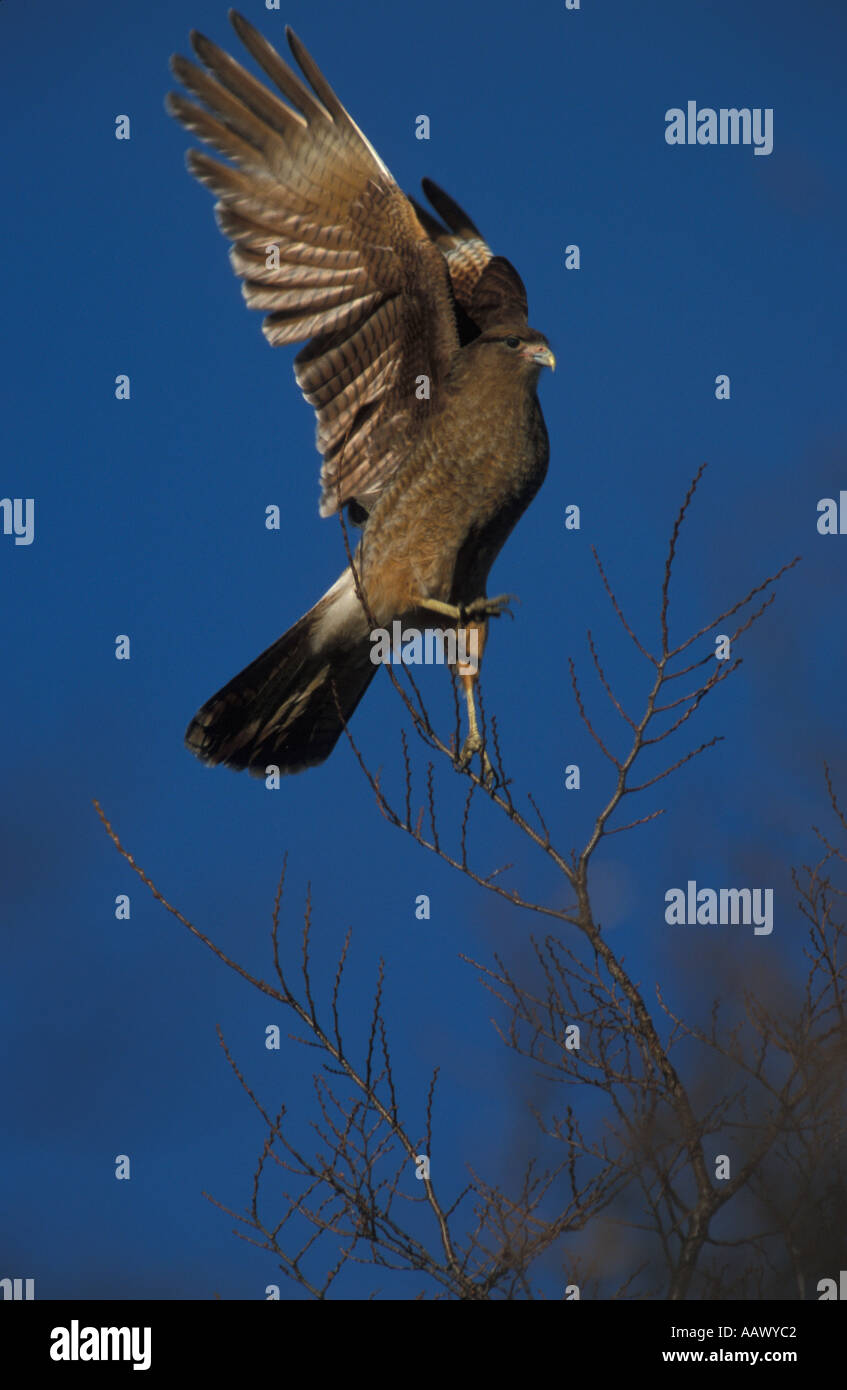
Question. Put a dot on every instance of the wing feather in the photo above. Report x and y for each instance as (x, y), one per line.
(328, 247)
(461, 243)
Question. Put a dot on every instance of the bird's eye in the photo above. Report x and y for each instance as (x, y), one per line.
(513, 342)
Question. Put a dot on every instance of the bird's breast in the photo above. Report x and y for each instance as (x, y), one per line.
(443, 519)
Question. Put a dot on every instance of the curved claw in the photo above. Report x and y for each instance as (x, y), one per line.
(471, 745)
(490, 607)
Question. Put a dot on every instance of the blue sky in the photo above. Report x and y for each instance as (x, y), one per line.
(548, 126)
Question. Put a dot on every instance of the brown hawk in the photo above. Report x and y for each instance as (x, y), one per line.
(420, 365)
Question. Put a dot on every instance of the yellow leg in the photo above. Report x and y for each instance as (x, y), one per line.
(468, 675)
(477, 608)
(473, 743)
(448, 610)
(480, 609)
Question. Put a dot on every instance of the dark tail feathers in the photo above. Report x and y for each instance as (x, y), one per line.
(286, 707)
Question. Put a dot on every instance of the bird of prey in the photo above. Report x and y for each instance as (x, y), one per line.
(419, 362)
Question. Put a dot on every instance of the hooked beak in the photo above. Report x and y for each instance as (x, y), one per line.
(544, 357)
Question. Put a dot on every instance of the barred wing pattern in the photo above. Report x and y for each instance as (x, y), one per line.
(355, 270)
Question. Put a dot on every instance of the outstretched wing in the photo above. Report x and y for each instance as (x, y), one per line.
(329, 247)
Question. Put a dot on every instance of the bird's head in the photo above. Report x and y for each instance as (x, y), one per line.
(517, 347)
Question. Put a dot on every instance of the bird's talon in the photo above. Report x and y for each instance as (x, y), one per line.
(490, 607)
(472, 745)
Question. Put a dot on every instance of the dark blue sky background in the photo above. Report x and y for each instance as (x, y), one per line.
(549, 126)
